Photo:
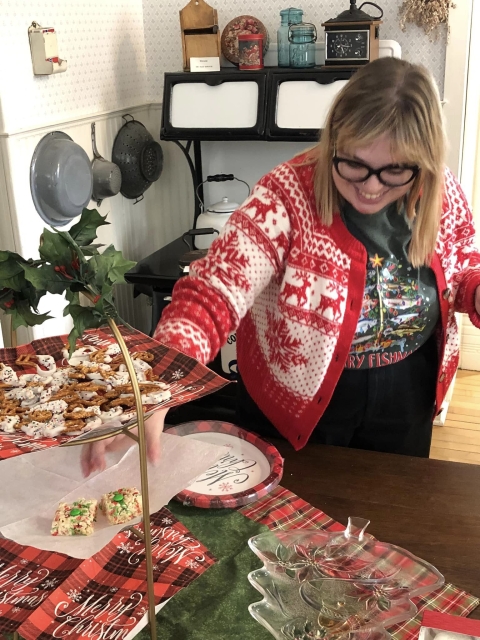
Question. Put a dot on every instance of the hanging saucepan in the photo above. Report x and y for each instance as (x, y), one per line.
(139, 157)
(107, 177)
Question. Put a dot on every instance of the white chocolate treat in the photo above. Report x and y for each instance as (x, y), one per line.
(141, 365)
(61, 376)
(95, 376)
(158, 396)
(113, 350)
(128, 415)
(14, 394)
(7, 374)
(52, 430)
(119, 379)
(111, 414)
(34, 392)
(46, 394)
(80, 355)
(55, 406)
(34, 429)
(87, 395)
(7, 423)
(48, 364)
(93, 423)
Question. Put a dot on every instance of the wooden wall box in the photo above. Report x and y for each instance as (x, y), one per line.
(200, 33)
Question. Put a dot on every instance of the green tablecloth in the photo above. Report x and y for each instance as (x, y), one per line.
(215, 606)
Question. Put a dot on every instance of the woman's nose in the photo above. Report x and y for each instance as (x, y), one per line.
(372, 184)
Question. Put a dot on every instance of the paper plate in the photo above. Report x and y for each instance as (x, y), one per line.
(252, 468)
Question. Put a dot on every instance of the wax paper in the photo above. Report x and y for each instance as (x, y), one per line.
(35, 484)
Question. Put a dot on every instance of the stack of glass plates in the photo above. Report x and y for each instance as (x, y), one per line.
(331, 585)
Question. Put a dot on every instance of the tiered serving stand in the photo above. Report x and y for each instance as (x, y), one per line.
(145, 535)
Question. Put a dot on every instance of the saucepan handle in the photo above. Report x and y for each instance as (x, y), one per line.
(198, 232)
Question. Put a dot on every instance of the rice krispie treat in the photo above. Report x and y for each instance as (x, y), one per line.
(122, 505)
(74, 519)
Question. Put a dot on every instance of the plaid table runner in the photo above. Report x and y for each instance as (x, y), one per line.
(186, 377)
(283, 509)
(46, 595)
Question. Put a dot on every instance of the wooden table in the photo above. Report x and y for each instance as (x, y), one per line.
(430, 507)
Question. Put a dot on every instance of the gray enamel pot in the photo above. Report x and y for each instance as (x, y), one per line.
(107, 177)
(61, 179)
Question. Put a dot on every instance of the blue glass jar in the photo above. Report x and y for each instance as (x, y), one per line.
(287, 17)
(302, 38)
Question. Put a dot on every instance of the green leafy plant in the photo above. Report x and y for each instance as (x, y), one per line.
(71, 264)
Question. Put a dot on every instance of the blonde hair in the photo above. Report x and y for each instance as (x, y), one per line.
(393, 97)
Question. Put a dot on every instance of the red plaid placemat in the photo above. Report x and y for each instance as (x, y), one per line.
(283, 509)
(28, 577)
(187, 378)
(105, 597)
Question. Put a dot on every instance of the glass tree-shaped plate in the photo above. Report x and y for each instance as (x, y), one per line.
(318, 584)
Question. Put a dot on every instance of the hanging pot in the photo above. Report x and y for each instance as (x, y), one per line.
(139, 157)
(60, 179)
(107, 177)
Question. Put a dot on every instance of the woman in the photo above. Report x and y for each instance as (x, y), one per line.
(341, 274)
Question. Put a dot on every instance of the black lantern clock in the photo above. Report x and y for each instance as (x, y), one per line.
(352, 38)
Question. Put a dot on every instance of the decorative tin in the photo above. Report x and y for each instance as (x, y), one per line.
(238, 26)
(250, 51)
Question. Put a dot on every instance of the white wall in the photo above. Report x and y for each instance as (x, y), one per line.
(103, 42)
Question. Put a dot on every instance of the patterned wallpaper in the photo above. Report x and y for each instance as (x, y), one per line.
(103, 42)
(163, 41)
(118, 50)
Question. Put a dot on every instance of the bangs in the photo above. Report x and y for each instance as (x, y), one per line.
(404, 149)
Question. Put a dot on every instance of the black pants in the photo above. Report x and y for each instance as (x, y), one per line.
(383, 409)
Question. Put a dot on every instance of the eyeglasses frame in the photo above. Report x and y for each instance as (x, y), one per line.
(376, 172)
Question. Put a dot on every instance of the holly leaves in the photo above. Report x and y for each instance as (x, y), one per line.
(70, 264)
(85, 231)
(109, 267)
(18, 296)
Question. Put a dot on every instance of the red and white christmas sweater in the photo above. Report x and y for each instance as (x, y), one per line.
(292, 288)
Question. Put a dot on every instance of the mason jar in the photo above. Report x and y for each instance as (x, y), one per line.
(287, 17)
(302, 38)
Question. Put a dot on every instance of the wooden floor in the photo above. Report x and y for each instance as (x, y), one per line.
(459, 439)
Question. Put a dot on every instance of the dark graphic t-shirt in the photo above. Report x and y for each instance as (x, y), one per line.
(400, 303)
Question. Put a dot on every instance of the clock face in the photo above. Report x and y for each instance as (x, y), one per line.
(347, 45)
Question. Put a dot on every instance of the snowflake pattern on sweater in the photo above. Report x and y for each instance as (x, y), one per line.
(293, 288)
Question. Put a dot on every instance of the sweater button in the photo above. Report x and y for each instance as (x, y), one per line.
(441, 378)
(446, 294)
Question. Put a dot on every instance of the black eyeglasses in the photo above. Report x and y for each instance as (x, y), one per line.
(392, 175)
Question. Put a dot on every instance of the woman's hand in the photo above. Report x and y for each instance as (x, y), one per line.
(477, 300)
(93, 454)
